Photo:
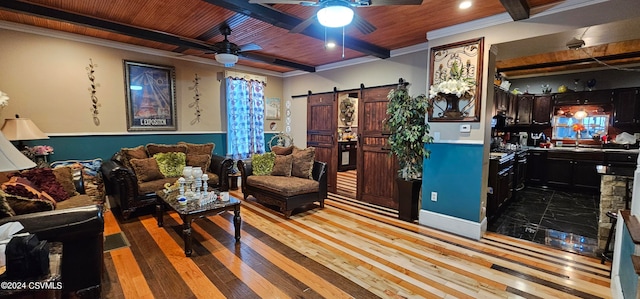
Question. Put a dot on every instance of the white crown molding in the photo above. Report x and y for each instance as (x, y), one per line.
(360, 60)
(504, 18)
(122, 46)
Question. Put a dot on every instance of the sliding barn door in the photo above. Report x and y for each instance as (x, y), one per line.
(376, 168)
(321, 133)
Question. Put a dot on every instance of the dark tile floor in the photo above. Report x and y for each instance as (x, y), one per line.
(559, 219)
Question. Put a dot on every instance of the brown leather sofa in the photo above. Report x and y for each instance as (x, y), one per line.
(122, 184)
(80, 230)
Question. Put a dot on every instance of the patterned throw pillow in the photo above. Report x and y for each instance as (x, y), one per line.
(5, 208)
(138, 152)
(45, 180)
(153, 148)
(281, 150)
(146, 169)
(200, 160)
(171, 164)
(64, 176)
(23, 205)
(302, 164)
(262, 164)
(19, 189)
(282, 165)
(199, 149)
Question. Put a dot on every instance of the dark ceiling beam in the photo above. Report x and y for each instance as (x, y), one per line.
(517, 9)
(277, 61)
(272, 16)
(82, 20)
(603, 58)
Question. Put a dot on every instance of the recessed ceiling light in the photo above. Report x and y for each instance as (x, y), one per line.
(464, 4)
(330, 45)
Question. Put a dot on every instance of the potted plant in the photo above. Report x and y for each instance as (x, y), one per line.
(409, 132)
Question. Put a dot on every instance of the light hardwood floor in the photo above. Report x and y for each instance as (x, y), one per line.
(342, 251)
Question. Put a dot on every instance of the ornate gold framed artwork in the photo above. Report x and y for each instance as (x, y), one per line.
(455, 81)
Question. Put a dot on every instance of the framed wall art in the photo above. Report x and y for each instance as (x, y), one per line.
(455, 81)
(272, 108)
(151, 97)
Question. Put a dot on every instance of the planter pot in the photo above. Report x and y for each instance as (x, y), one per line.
(408, 197)
(453, 106)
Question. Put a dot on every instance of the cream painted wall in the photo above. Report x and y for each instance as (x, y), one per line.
(410, 67)
(46, 80)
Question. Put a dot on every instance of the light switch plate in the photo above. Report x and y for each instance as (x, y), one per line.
(465, 128)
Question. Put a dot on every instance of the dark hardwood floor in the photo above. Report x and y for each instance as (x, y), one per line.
(345, 250)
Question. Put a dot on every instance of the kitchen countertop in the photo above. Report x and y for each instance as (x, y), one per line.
(585, 149)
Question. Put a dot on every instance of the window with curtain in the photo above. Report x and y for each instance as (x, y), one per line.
(593, 125)
(245, 117)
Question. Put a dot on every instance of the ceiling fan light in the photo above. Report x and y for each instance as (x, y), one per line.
(228, 60)
(335, 14)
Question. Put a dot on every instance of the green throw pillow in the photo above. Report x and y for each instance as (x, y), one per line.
(171, 164)
(263, 163)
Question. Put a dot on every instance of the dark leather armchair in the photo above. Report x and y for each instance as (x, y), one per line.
(81, 232)
(121, 182)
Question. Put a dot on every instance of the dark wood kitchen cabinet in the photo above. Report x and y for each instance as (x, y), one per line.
(534, 110)
(593, 97)
(626, 107)
(507, 103)
(347, 155)
(541, 113)
(500, 183)
(537, 167)
(524, 108)
(574, 170)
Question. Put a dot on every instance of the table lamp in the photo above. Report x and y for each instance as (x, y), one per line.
(19, 129)
(10, 158)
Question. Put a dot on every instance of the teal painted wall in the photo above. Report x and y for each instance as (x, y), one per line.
(628, 276)
(104, 146)
(455, 172)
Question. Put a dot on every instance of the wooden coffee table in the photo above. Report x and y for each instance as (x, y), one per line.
(192, 211)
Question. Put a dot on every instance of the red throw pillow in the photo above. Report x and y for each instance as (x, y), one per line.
(45, 180)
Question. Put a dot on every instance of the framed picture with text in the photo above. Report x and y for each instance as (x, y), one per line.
(151, 97)
(455, 81)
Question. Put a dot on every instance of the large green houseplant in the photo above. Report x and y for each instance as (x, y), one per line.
(409, 131)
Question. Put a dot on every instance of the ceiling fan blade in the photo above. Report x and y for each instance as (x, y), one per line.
(363, 25)
(395, 2)
(249, 47)
(303, 25)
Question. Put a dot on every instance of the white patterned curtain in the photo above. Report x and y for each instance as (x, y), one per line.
(245, 117)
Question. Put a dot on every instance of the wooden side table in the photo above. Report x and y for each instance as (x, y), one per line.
(233, 180)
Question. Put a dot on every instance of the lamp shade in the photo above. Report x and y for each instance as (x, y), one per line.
(335, 14)
(228, 60)
(10, 158)
(21, 129)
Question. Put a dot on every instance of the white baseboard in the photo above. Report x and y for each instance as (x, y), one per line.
(462, 227)
(616, 288)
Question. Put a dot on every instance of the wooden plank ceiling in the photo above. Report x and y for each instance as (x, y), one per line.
(190, 27)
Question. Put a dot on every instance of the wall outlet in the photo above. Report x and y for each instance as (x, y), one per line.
(465, 128)
(434, 196)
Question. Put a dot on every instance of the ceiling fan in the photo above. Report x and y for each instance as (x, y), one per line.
(338, 13)
(227, 52)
